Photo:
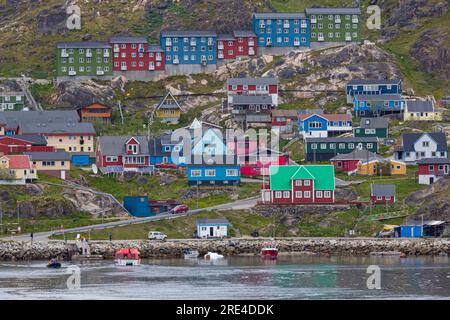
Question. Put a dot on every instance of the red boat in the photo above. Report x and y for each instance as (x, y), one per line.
(128, 257)
(269, 251)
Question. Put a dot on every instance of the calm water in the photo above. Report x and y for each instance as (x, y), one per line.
(233, 278)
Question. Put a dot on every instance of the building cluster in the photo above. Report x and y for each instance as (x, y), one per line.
(191, 51)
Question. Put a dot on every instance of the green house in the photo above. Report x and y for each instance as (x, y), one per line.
(335, 24)
(372, 127)
(12, 101)
(323, 149)
(84, 60)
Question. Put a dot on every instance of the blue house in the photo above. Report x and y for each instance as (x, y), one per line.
(282, 29)
(189, 47)
(165, 151)
(372, 87)
(214, 170)
(412, 231)
(378, 105)
(324, 125)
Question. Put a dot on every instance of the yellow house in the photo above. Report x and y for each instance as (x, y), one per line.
(417, 110)
(398, 168)
(367, 168)
(56, 164)
(168, 110)
(69, 136)
(17, 168)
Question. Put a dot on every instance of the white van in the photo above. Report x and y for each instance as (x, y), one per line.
(156, 235)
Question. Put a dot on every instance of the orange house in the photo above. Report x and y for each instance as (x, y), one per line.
(96, 112)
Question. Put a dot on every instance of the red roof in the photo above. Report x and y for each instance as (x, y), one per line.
(330, 117)
(18, 162)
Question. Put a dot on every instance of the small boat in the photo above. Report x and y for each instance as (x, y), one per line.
(191, 254)
(53, 263)
(213, 256)
(128, 257)
(269, 251)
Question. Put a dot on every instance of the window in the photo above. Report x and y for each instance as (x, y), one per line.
(307, 183)
(314, 146)
(323, 146)
(379, 198)
(298, 194)
(196, 173)
(210, 173)
(327, 194)
(286, 194)
(315, 124)
(332, 146)
(307, 194)
(431, 168)
(318, 194)
(298, 183)
(370, 145)
(111, 159)
(425, 143)
(278, 194)
(231, 173)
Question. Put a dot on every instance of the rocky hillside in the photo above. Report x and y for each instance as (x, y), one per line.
(30, 29)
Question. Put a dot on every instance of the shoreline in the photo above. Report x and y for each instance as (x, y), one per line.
(11, 250)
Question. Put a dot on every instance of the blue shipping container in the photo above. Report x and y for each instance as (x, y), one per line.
(409, 231)
(80, 160)
(137, 206)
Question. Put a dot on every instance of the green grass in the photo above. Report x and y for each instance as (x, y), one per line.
(297, 5)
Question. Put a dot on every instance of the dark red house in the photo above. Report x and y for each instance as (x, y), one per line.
(252, 86)
(117, 154)
(237, 44)
(23, 143)
(257, 163)
(135, 54)
(432, 169)
(348, 162)
(382, 193)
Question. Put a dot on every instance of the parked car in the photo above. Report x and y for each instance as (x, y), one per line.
(182, 208)
(166, 166)
(156, 235)
(255, 234)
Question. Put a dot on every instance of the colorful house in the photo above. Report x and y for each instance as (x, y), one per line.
(118, 154)
(284, 120)
(257, 163)
(96, 112)
(378, 105)
(334, 24)
(262, 86)
(398, 168)
(235, 45)
(84, 60)
(433, 169)
(19, 144)
(421, 111)
(252, 111)
(372, 87)
(323, 149)
(56, 164)
(351, 162)
(382, 193)
(372, 127)
(16, 169)
(189, 47)
(131, 54)
(324, 125)
(165, 151)
(282, 29)
(213, 170)
(168, 110)
(304, 184)
(212, 228)
(12, 101)
(417, 146)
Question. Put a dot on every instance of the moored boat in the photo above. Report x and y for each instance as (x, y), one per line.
(128, 257)
(213, 256)
(269, 251)
(54, 263)
(191, 254)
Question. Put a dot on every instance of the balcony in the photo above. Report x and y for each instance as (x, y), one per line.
(355, 20)
(313, 20)
(72, 73)
(168, 42)
(123, 68)
(100, 72)
(64, 54)
(176, 61)
(296, 43)
(348, 38)
(193, 43)
(220, 46)
(251, 52)
(106, 54)
(88, 54)
(286, 25)
(251, 42)
(304, 26)
(116, 49)
(158, 57)
(337, 20)
(320, 38)
(151, 67)
(220, 55)
(210, 42)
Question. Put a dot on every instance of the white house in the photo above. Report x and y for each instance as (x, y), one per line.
(416, 146)
(212, 228)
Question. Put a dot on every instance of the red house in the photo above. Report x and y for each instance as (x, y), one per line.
(237, 44)
(432, 169)
(252, 86)
(118, 154)
(348, 162)
(135, 54)
(382, 193)
(258, 163)
(23, 143)
(304, 184)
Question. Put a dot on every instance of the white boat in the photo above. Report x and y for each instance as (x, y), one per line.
(213, 256)
(191, 254)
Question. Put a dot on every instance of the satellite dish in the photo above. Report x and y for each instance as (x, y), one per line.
(94, 168)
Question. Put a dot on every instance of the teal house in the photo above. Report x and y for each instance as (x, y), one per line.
(12, 101)
(372, 127)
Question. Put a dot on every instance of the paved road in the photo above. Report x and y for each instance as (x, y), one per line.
(43, 236)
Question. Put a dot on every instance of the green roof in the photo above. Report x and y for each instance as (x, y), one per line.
(281, 176)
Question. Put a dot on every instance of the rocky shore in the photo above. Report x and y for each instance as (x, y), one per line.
(16, 250)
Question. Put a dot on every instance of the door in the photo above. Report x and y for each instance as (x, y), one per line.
(211, 231)
(431, 180)
(446, 169)
(63, 175)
